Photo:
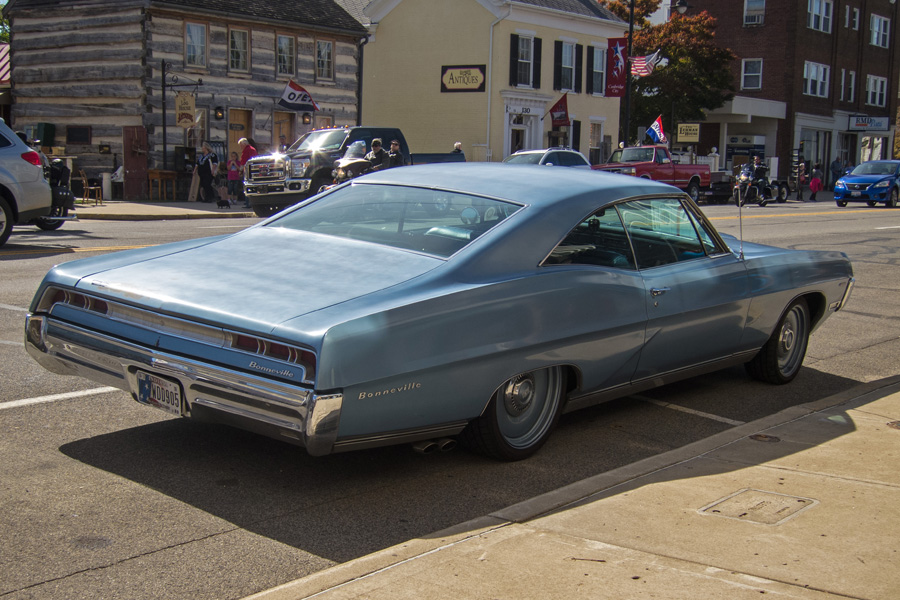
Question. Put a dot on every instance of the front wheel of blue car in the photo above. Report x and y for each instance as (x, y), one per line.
(780, 359)
(520, 416)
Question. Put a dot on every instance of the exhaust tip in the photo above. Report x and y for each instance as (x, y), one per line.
(425, 447)
(446, 444)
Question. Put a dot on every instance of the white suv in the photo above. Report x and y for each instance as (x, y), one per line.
(559, 157)
(25, 195)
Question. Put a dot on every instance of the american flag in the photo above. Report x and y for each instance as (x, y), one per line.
(641, 66)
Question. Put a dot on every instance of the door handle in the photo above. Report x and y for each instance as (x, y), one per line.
(658, 291)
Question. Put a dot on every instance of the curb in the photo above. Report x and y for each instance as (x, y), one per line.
(581, 491)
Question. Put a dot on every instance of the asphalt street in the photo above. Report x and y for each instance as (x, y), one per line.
(105, 498)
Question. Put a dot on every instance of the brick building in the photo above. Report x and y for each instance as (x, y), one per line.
(821, 75)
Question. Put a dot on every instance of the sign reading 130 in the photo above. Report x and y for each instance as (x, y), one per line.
(518, 110)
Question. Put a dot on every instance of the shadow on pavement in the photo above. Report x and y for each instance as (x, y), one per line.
(344, 506)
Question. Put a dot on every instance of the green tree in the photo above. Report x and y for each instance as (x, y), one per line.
(4, 26)
(697, 77)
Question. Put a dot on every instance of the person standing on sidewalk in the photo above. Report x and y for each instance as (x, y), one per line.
(247, 152)
(815, 182)
(234, 178)
(801, 181)
(207, 167)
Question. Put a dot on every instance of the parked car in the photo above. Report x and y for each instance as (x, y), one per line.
(560, 157)
(873, 182)
(362, 318)
(25, 194)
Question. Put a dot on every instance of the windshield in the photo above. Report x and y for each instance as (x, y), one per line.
(356, 150)
(632, 155)
(326, 140)
(532, 158)
(875, 168)
(423, 220)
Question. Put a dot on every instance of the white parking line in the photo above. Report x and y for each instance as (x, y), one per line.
(55, 397)
(690, 411)
(15, 308)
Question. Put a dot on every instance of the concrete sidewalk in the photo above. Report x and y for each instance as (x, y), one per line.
(802, 504)
(118, 210)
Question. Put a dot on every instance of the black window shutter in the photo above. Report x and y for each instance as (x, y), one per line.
(557, 65)
(579, 66)
(513, 60)
(576, 135)
(589, 74)
(536, 56)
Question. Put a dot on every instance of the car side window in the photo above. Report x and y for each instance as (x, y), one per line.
(661, 232)
(706, 236)
(598, 240)
(4, 142)
(552, 158)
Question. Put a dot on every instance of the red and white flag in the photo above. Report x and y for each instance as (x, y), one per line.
(559, 112)
(294, 97)
(641, 66)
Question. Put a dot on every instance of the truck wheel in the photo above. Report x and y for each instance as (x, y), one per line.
(264, 210)
(693, 190)
(6, 221)
(50, 225)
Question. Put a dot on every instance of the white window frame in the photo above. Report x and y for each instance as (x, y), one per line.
(880, 30)
(195, 50)
(567, 69)
(325, 65)
(876, 90)
(525, 69)
(819, 14)
(855, 22)
(599, 72)
(285, 59)
(238, 58)
(754, 14)
(815, 79)
(745, 74)
(851, 86)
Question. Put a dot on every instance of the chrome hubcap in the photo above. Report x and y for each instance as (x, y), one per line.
(518, 395)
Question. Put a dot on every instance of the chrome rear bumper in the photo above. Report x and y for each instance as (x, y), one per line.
(240, 399)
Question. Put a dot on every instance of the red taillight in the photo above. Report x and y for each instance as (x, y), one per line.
(247, 343)
(32, 157)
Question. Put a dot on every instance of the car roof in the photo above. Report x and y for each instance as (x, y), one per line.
(526, 184)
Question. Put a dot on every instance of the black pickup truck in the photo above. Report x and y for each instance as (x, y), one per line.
(276, 181)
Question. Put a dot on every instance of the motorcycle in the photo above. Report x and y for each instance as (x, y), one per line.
(752, 185)
(352, 164)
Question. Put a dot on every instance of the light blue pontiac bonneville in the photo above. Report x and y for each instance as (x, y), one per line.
(436, 302)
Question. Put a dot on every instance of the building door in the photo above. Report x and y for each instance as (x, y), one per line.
(134, 161)
(284, 126)
(239, 121)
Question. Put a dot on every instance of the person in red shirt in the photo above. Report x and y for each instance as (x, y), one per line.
(247, 152)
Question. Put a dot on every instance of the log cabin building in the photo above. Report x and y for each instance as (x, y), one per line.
(97, 80)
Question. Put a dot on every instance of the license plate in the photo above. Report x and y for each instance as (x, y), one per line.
(856, 194)
(159, 392)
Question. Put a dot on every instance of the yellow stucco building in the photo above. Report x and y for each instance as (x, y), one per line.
(486, 73)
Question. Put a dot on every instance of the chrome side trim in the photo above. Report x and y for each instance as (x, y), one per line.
(846, 297)
(303, 416)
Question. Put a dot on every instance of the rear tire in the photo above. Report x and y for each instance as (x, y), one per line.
(693, 190)
(520, 416)
(779, 361)
(47, 224)
(6, 221)
(783, 193)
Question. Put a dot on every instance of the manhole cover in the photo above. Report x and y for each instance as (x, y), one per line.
(757, 506)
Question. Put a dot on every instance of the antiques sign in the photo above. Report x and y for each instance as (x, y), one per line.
(184, 109)
(463, 78)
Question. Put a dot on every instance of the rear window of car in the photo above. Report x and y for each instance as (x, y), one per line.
(532, 158)
(436, 222)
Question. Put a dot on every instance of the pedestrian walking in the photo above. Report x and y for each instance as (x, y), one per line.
(815, 181)
(247, 152)
(207, 166)
(837, 169)
(801, 180)
(234, 178)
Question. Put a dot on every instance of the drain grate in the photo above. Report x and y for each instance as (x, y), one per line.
(757, 506)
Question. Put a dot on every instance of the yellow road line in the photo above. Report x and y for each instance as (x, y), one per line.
(71, 250)
(805, 214)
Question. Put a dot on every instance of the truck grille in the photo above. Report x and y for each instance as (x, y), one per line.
(268, 170)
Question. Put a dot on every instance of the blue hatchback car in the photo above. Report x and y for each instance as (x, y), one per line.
(873, 182)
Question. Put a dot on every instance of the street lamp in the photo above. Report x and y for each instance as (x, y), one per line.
(681, 6)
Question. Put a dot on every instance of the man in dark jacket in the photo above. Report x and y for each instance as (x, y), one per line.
(395, 157)
(377, 156)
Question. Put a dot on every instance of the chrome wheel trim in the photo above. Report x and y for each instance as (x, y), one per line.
(526, 406)
(792, 340)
